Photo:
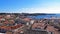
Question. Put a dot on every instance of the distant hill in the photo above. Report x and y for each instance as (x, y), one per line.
(35, 14)
(26, 14)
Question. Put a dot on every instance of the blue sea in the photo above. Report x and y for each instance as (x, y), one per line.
(45, 16)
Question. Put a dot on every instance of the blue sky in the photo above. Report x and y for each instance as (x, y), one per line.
(30, 6)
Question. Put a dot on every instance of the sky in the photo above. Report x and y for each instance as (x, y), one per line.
(29, 6)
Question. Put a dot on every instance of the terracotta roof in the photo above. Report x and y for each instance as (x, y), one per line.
(38, 25)
(27, 19)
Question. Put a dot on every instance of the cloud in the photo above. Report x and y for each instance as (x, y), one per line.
(35, 10)
(40, 10)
